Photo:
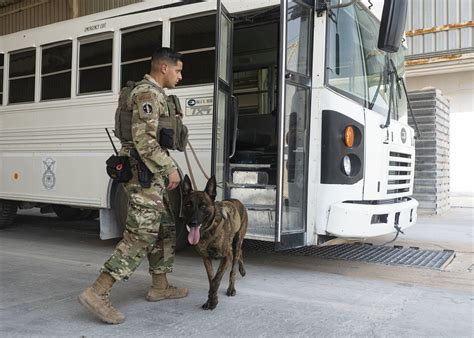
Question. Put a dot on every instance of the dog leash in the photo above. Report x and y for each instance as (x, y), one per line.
(190, 170)
(188, 163)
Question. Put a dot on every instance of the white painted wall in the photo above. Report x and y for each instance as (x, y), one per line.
(458, 87)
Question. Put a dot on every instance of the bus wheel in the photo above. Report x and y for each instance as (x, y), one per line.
(89, 214)
(66, 212)
(7, 213)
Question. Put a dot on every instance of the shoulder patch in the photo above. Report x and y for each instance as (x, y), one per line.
(147, 108)
(146, 102)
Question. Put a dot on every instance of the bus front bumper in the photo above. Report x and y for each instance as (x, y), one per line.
(357, 220)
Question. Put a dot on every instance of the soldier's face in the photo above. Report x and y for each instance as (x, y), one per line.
(173, 74)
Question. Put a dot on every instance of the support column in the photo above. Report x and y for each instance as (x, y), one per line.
(431, 186)
(74, 8)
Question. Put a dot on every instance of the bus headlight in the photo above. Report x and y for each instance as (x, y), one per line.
(346, 165)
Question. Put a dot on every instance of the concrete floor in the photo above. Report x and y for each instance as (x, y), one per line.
(45, 263)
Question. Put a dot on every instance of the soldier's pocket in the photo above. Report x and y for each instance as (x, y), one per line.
(142, 220)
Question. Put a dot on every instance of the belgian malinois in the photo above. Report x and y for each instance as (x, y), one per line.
(217, 230)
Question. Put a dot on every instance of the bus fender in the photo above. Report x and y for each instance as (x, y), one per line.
(110, 227)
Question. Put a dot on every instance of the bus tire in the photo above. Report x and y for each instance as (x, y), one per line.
(7, 213)
(89, 214)
(66, 212)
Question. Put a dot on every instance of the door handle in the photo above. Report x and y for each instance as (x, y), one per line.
(235, 108)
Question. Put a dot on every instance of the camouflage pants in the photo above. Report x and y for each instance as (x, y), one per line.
(150, 231)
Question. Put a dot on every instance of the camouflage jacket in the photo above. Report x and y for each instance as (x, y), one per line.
(148, 102)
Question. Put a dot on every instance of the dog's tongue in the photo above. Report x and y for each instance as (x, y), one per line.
(194, 235)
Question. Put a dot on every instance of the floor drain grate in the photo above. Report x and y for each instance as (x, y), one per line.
(396, 255)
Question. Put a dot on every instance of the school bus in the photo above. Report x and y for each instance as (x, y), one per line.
(292, 106)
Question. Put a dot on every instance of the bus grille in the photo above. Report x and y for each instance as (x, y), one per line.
(400, 169)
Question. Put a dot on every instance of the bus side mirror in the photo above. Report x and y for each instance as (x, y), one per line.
(392, 26)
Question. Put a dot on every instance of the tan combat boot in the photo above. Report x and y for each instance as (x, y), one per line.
(160, 289)
(96, 299)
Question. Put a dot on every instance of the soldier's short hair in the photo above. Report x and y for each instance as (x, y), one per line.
(166, 54)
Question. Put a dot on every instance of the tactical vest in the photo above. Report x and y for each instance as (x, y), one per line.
(171, 133)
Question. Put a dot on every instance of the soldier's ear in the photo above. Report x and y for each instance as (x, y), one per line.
(187, 185)
(211, 188)
(163, 67)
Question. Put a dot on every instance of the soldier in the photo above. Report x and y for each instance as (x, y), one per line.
(150, 230)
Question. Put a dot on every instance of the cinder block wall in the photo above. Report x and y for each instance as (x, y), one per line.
(431, 188)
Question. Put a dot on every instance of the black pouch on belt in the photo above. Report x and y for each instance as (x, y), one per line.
(144, 174)
(118, 168)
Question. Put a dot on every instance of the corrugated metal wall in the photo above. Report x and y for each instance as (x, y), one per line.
(93, 6)
(33, 13)
(439, 26)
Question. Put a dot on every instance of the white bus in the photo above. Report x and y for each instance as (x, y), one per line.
(286, 103)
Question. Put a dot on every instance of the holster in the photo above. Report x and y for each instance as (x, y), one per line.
(144, 174)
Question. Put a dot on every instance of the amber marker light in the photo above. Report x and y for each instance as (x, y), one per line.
(349, 136)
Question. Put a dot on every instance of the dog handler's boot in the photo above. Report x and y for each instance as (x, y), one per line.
(161, 289)
(96, 299)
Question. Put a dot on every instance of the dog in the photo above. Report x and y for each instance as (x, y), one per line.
(216, 230)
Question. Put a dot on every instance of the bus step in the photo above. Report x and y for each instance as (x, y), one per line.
(250, 177)
(261, 196)
(250, 165)
(261, 224)
(251, 186)
(260, 207)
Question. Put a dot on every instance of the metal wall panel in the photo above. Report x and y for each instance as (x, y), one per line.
(93, 6)
(441, 20)
(31, 13)
(439, 27)
(466, 15)
(28, 14)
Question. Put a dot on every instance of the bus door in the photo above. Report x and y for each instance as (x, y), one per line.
(296, 39)
(223, 122)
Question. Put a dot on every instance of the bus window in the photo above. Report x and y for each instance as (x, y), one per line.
(137, 47)
(254, 64)
(22, 76)
(344, 62)
(56, 71)
(195, 39)
(1, 78)
(95, 65)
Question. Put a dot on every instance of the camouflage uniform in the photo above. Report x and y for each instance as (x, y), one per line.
(150, 229)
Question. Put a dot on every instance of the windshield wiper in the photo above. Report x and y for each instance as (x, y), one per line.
(372, 103)
(393, 75)
(388, 74)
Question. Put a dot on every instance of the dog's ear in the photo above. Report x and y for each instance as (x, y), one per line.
(211, 188)
(187, 185)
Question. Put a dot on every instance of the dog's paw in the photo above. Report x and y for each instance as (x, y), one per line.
(231, 292)
(209, 305)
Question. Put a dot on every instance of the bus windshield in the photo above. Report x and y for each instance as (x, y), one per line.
(355, 66)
